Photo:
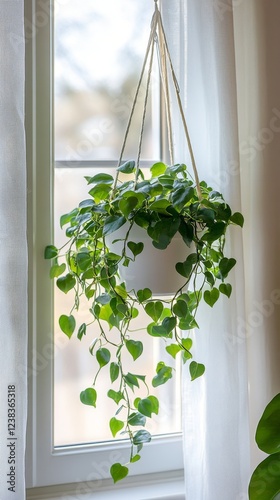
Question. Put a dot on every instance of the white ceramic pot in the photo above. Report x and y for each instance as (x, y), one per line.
(153, 268)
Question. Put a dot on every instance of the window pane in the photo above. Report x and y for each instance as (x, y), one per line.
(74, 366)
(99, 50)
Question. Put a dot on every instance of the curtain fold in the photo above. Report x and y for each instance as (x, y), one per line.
(216, 423)
(257, 40)
(230, 81)
(13, 252)
(215, 407)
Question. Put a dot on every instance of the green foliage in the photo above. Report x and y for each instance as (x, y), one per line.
(265, 480)
(196, 370)
(164, 206)
(89, 396)
(116, 426)
(118, 472)
(67, 324)
(50, 252)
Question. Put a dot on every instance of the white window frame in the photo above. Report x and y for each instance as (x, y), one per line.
(162, 459)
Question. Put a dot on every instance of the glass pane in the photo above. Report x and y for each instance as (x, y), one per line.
(74, 366)
(99, 51)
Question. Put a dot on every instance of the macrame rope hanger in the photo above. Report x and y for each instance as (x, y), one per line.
(158, 37)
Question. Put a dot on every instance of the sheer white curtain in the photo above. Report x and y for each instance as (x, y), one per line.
(216, 407)
(13, 253)
(230, 81)
(257, 40)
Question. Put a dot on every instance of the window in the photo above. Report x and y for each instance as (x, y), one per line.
(56, 455)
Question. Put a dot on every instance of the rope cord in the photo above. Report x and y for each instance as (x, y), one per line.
(144, 111)
(154, 24)
(177, 88)
(164, 54)
(165, 85)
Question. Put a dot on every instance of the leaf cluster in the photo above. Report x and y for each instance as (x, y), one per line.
(165, 205)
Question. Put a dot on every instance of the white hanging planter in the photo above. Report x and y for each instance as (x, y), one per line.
(153, 268)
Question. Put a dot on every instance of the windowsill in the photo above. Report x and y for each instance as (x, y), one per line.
(163, 486)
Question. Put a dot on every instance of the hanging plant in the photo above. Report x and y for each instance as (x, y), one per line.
(108, 234)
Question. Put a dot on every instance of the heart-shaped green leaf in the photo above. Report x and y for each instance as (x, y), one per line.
(83, 260)
(158, 169)
(103, 356)
(187, 343)
(105, 312)
(127, 205)
(173, 350)
(116, 426)
(50, 252)
(136, 248)
(66, 283)
(193, 258)
(56, 270)
(137, 419)
(118, 472)
(154, 310)
(196, 370)
(181, 196)
(225, 266)
(184, 268)
(169, 324)
(145, 407)
(113, 223)
(157, 331)
(144, 294)
(67, 324)
(127, 167)
(163, 330)
(100, 192)
(135, 348)
(88, 397)
(100, 179)
(64, 219)
(226, 289)
(238, 219)
(114, 371)
(180, 309)
(141, 437)
(211, 296)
